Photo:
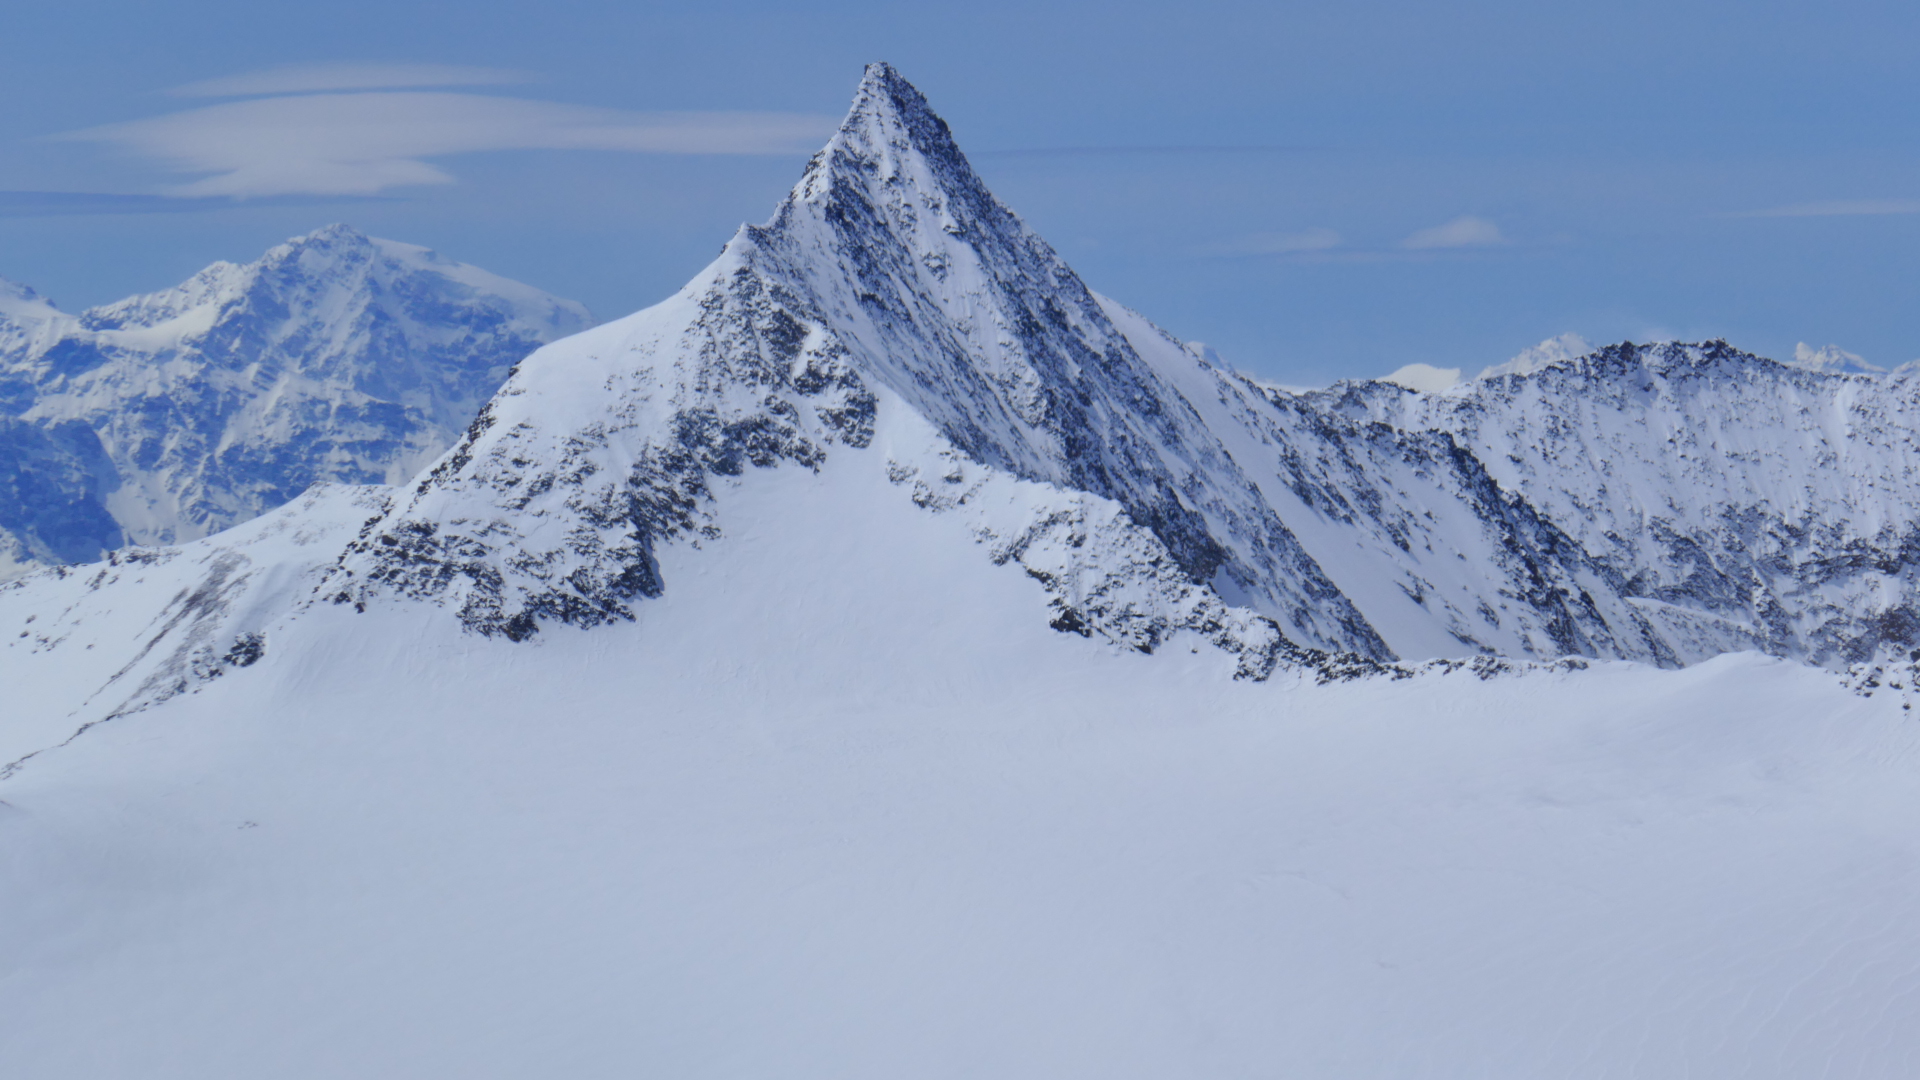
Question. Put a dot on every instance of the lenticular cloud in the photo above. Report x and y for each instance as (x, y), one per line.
(364, 143)
(316, 78)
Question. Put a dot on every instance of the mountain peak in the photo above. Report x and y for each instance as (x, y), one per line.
(336, 232)
(892, 137)
(327, 243)
(890, 267)
(333, 356)
(13, 290)
(887, 102)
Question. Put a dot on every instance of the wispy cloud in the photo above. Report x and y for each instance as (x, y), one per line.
(1461, 232)
(314, 78)
(20, 204)
(362, 143)
(1838, 208)
(1272, 243)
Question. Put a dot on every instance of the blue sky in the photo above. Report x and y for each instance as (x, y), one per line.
(1318, 190)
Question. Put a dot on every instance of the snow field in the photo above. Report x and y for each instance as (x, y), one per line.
(766, 831)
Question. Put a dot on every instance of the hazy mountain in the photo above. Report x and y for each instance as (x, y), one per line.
(335, 357)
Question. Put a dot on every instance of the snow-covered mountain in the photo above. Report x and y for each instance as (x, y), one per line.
(334, 357)
(1732, 502)
(888, 657)
(1666, 505)
(890, 280)
(1662, 504)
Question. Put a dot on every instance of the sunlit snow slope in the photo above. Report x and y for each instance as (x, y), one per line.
(887, 658)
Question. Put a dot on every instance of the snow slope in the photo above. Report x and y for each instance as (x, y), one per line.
(334, 357)
(840, 804)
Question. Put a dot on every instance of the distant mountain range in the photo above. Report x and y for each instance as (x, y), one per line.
(167, 417)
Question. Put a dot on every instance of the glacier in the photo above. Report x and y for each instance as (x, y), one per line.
(888, 656)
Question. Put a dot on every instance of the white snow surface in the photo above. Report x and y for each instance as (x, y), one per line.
(839, 804)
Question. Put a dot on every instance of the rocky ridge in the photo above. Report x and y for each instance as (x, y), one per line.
(1737, 503)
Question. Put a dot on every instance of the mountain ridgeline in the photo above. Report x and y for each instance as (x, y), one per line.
(1662, 503)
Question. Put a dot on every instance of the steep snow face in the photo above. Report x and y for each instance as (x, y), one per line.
(334, 357)
(937, 291)
(889, 279)
(1735, 502)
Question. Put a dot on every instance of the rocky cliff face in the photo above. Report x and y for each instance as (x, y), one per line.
(334, 357)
